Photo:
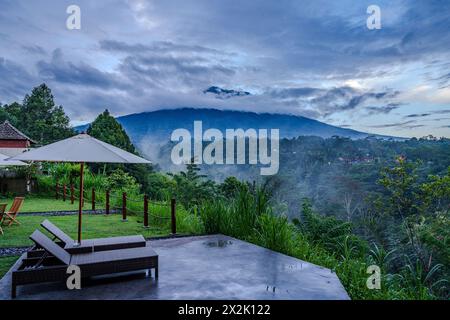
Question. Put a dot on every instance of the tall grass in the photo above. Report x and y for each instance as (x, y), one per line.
(236, 217)
(274, 233)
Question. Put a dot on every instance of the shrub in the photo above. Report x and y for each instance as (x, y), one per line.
(216, 217)
(331, 233)
(275, 233)
(189, 222)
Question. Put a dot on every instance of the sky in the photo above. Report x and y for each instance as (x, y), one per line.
(311, 58)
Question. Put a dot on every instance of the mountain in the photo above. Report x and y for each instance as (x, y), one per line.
(221, 93)
(159, 125)
(150, 132)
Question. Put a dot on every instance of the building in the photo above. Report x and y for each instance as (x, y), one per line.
(12, 143)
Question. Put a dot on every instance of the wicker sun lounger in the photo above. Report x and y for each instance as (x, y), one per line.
(90, 245)
(52, 265)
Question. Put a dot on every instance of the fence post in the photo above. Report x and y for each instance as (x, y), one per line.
(107, 201)
(56, 191)
(145, 211)
(124, 207)
(173, 215)
(93, 199)
(64, 192)
(72, 194)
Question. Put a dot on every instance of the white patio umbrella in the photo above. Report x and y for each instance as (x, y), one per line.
(81, 148)
(6, 163)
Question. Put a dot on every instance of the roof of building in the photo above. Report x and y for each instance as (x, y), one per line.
(9, 132)
(12, 152)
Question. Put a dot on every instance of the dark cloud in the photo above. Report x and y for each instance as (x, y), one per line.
(443, 80)
(445, 111)
(417, 115)
(350, 98)
(34, 49)
(414, 126)
(221, 93)
(171, 66)
(385, 109)
(293, 92)
(440, 119)
(163, 47)
(397, 124)
(65, 72)
(14, 80)
(173, 73)
(336, 99)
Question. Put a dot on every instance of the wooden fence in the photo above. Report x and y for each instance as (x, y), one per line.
(69, 193)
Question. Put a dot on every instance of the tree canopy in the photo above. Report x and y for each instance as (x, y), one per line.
(106, 128)
(38, 116)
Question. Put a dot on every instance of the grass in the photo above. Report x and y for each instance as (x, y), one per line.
(6, 263)
(94, 226)
(34, 204)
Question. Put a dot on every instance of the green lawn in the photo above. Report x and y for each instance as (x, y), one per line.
(34, 204)
(94, 226)
(6, 263)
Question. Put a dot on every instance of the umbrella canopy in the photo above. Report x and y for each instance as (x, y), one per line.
(6, 163)
(80, 148)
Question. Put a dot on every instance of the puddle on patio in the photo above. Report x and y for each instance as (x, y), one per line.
(218, 243)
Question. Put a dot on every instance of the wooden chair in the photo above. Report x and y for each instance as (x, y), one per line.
(2, 214)
(10, 216)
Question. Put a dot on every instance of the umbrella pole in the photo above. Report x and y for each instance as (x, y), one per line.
(80, 206)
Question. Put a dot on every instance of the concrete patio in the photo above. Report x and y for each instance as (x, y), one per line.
(205, 267)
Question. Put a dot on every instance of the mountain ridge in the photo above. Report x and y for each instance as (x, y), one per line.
(160, 124)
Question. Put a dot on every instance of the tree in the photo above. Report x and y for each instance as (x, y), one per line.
(11, 113)
(106, 128)
(191, 188)
(231, 186)
(119, 180)
(3, 114)
(350, 195)
(437, 192)
(405, 201)
(40, 118)
(400, 182)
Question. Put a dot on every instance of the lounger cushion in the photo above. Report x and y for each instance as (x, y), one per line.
(57, 232)
(98, 244)
(43, 241)
(117, 241)
(112, 256)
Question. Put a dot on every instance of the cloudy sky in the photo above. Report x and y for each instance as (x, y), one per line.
(312, 58)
